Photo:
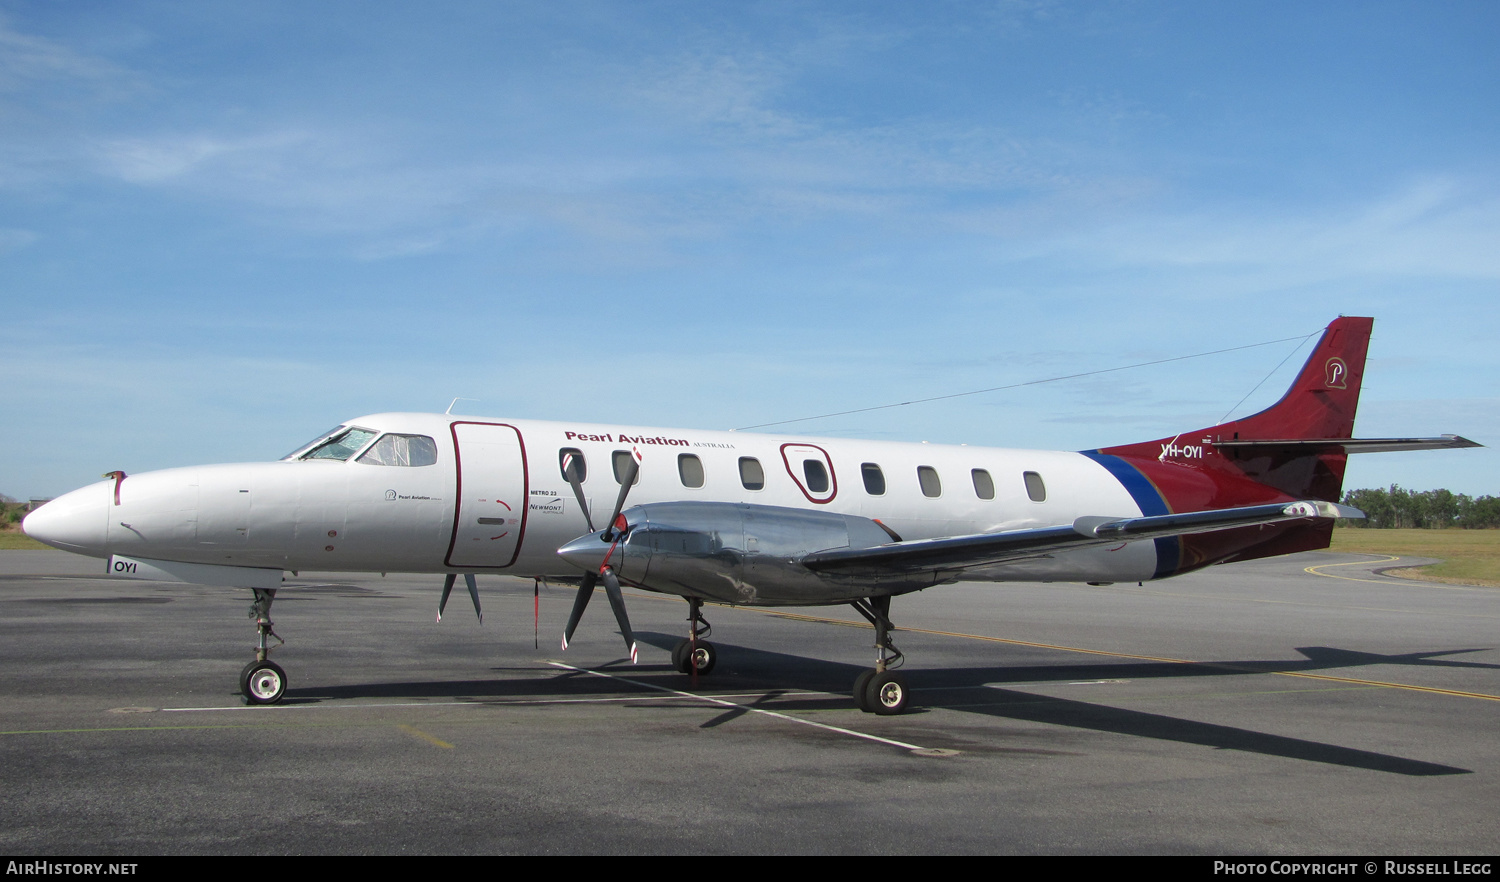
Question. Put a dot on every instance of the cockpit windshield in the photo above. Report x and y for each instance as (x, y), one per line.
(339, 444)
(401, 450)
(297, 454)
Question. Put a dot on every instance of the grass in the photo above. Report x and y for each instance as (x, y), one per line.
(10, 530)
(1469, 557)
(12, 538)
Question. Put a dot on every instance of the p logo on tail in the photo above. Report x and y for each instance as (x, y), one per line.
(1338, 373)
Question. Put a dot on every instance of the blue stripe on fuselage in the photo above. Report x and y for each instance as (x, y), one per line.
(1150, 502)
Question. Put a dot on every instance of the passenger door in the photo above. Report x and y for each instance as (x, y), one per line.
(490, 518)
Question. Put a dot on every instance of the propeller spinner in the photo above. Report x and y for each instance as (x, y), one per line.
(612, 534)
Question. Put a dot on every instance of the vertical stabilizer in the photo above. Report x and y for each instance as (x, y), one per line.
(1241, 462)
(1322, 401)
(1320, 404)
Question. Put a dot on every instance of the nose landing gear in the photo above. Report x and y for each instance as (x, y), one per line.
(263, 681)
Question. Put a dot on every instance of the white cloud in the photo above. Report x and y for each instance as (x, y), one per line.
(15, 240)
(1435, 226)
(26, 60)
(254, 159)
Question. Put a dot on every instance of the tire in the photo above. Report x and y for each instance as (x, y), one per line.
(705, 657)
(886, 694)
(262, 682)
(861, 685)
(679, 656)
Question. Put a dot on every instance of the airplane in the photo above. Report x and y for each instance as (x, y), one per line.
(733, 517)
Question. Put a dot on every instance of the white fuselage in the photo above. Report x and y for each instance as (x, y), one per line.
(496, 500)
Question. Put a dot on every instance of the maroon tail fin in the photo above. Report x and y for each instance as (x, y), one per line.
(1320, 404)
(1322, 401)
(1240, 462)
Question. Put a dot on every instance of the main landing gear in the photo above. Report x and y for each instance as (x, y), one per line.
(881, 691)
(263, 681)
(695, 655)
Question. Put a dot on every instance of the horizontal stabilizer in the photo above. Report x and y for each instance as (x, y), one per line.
(1356, 445)
(984, 549)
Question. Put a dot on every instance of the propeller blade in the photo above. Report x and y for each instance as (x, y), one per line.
(585, 591)
(632, 468)
(448, 589)
(570, 471)
(474, 595)
(617, 603)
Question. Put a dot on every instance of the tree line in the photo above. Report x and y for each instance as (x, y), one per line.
(1431, 509)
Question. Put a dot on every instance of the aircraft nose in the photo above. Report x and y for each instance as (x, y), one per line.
(75, 522)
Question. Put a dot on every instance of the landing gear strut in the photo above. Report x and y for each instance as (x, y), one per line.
(881, 691)
(695, 655)
(263, 681)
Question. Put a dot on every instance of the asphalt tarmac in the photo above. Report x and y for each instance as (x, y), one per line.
(1256, 708)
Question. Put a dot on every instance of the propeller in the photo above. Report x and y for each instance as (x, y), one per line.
(448, 589)
(570, 471)
(613, 533)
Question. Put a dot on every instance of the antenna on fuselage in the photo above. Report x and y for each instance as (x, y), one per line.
(449, 411)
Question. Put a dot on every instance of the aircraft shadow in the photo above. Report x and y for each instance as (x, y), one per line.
(966, 690)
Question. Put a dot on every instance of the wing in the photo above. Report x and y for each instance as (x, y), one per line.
(962, 552)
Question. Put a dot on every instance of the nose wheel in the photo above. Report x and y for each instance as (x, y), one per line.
(263, 681)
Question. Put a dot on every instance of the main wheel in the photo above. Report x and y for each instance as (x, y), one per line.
(704, 657)
(262, 682)
(861, 684)
(678, 652)
(886, 693)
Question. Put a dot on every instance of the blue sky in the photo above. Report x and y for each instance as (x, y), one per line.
(225, 227)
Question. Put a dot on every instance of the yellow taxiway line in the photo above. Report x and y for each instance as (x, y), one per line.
(1318, 569)
(435, 742)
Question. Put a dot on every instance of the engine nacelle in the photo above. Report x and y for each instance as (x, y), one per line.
(734, 552)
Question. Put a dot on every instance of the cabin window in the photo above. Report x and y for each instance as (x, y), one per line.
(341, 446)
(621, 461)
(817, 475)
(927, 476)
(984, 487)
(1035, 489)
(401, 450)
(752, 476)
(690, 470)
(573, 456)
(874, 479)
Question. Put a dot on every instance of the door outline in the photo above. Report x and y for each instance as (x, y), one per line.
(458, 497)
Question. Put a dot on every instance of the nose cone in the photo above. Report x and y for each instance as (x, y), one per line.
(75, 522)
(588, 552)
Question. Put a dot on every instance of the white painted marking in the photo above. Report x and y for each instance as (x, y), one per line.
(336, 704)
(755, 710)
